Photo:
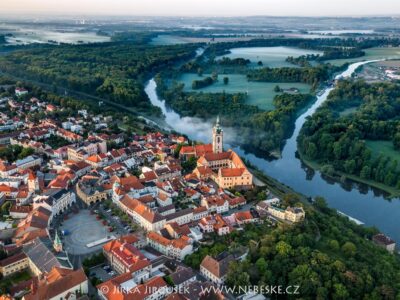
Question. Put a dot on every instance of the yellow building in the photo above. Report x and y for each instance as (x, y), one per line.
(276, 212)
(294, 214)
(90, 191)
(14, 264)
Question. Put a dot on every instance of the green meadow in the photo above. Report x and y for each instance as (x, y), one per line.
(383, 147)
(273, 57)
(259, 93)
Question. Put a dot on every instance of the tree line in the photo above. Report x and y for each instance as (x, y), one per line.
(330, 53)
(113, 71)
(310, 75)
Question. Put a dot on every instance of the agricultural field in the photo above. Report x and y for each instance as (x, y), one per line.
(370, 54)
(259, 93)
(273, 57)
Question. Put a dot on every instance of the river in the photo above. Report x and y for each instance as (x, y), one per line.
(356, 200)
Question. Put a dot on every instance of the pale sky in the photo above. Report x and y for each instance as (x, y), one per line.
(205, 7)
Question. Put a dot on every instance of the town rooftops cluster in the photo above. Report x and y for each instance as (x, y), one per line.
(77, 158)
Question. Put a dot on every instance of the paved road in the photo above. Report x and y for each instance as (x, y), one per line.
(75, 258)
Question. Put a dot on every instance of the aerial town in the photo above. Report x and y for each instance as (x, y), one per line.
(187, 150)
(113, 216)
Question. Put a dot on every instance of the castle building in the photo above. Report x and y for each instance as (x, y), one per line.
(228, 170)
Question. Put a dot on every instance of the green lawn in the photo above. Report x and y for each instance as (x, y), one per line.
(348, 111)
(383, 147)
(370, 54)
(259, 93)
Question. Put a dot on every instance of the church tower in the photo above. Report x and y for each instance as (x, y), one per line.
(57, 244)
(218, 138)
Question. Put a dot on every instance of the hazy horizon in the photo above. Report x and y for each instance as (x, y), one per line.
(207, 8)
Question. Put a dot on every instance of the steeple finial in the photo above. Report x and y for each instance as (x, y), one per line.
(217, 121)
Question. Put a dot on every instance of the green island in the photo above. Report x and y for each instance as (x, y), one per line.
(354, 135)
(251, 123)
(254, 99)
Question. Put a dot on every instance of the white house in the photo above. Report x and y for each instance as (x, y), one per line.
(56, 203)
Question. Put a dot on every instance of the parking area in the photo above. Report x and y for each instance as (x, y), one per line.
(83, 228)
(100, 273)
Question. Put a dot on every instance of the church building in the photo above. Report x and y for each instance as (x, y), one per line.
(226, 167)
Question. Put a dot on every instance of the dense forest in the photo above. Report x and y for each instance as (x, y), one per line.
(327, 255)
(337, 140)
(235, 61)
(311, 75)
(134, 37)
(113, 71)
(262, 130)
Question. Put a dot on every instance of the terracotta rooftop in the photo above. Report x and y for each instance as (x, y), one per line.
(12, 259)
(57, 281)
(232, 172)
(217, 268)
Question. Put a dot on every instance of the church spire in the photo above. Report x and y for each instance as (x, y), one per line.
(57, 243)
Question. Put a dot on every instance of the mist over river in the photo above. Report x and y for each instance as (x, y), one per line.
(356, 200)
